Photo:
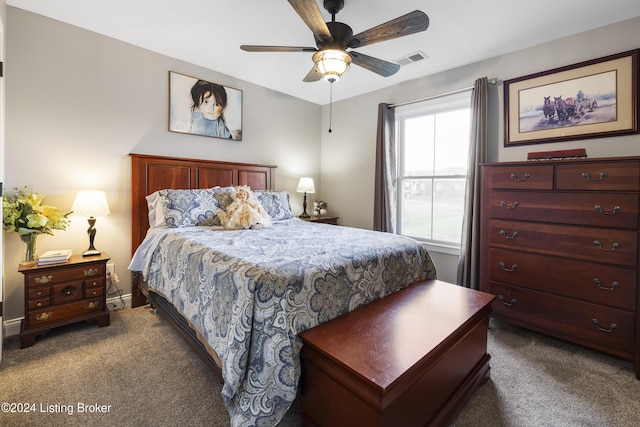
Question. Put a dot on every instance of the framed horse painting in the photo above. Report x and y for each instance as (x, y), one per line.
(597, 98)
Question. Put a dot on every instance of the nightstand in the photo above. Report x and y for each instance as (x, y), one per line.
(65, 293)
(324, 219)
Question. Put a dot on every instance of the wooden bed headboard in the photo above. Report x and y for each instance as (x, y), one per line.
(151, 173)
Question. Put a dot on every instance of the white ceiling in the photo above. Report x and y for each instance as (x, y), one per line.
(209, 32)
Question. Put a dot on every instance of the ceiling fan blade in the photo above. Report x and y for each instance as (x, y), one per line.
(378, 66)
(309, 11)
(405, 25)
(312, 76)
(256, 48)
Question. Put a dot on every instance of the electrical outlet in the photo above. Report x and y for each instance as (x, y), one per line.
(111, 269)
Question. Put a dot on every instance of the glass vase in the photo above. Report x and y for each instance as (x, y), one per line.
(31, 241)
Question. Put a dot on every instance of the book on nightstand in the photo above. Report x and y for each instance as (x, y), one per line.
(54, 257)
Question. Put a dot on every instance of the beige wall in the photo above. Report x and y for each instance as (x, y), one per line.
(348, 152)
(78, 103)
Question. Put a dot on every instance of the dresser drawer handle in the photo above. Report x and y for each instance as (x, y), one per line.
(604, 288)
(91, 272)
(611, 328)
(513, 235)
(523, 179)
(514, 267)
(44, 316)
(615, 210)
(613, 247)
(504, 205)
(508, 304)
(586, 176)
(43, 279)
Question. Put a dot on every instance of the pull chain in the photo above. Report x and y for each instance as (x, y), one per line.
(330, 106)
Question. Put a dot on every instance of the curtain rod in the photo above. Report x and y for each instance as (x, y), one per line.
(428, 98)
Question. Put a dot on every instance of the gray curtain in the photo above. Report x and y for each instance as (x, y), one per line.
(469, 266)
(384, 200)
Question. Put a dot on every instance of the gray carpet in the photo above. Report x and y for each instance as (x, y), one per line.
(141, 372)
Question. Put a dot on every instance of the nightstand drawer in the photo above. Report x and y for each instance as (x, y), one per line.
(37, 304)
(39, 292)
(61, 313)
(94, 283)
(93, 292)
(67, 292)
(65, 275)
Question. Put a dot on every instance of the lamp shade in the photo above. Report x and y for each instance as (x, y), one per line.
(305, 185)
(331, 64)
(91, 203)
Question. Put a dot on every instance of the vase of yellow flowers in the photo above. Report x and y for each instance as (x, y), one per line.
(24, 213)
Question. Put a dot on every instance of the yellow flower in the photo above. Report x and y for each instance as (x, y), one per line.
(24, 213)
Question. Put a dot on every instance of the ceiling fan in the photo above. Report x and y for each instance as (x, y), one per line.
(331, 59)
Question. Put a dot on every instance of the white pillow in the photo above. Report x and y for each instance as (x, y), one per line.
(156, 213)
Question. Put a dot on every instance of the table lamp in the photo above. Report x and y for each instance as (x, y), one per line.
(305, 185)
(91, 204)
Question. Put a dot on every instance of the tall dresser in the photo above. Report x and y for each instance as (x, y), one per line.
(560, 249)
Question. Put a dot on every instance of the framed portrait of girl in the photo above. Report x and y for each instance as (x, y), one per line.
(201, 107)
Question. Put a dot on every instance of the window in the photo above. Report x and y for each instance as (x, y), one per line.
(433, 148)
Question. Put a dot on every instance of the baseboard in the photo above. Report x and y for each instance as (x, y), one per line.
(12, 326)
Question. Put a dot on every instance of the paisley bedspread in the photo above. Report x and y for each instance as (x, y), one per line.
(250, 292)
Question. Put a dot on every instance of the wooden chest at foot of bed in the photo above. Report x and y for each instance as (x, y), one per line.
(410, 359)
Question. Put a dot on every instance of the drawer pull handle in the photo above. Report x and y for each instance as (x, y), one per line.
(615, 210)
(504, 205)
(586, 176)
(514, 267)
(525, 177)
(504, 234)
(91, 272)
(508, 304)
(39, 304)
(604, 288)
(44, 279)
(615, 246)
(611, 328)
(44, 316)
(92, 305)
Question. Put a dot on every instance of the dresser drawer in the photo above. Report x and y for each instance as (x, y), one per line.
(522, 177)
(60, 313)
(598, 283)
(605, 245)
(611, 176)
(597, 209)
(65, 274)
(594, 325)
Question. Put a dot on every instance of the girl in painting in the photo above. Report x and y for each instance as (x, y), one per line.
(207, 110)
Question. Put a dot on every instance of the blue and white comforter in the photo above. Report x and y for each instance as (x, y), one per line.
(250, 292)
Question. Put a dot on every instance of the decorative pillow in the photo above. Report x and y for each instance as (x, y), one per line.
(276, 203)
(189, 208)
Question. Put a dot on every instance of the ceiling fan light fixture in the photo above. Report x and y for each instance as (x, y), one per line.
(331, 64)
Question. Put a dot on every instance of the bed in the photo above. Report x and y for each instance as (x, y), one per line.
(241, 297)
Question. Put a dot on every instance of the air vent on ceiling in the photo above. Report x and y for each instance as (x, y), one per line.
(410, 59)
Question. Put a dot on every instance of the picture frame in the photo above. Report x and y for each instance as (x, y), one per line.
(591, 99)
(201, 107)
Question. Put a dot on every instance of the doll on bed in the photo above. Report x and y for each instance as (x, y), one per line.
(245, 212)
